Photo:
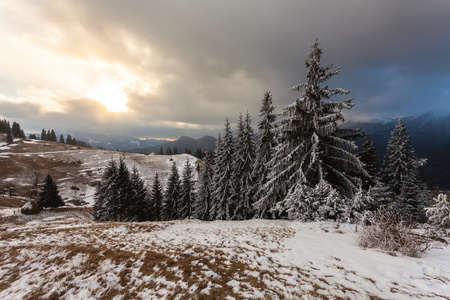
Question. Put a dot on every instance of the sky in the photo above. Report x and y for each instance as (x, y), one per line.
(163, 69)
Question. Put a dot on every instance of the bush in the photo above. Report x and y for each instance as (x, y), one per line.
(388, 231)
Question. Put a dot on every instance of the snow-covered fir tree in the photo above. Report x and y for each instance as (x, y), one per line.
(187, 195)
(400, 172)
(139, 210)
(106, 206)
(381, 195)
(156, 200)
(170, 207)
(49, 194)
(368, 156)
(121, 196)
(362, 205)
(242, 199)
(223, 175)
(203, 200)
(439, 214)
(310, 149)
(124, 192)
(264, 149)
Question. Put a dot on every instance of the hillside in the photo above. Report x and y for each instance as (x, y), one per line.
(25, 161)
(65, 255)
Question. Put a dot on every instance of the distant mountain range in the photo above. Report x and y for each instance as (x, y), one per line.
(183, 143)
(430, 137)
(113, 142)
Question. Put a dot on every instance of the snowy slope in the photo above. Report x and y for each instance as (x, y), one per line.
(72, 166)
(73, 258)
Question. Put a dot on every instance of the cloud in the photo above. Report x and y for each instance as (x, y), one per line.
(185, 66)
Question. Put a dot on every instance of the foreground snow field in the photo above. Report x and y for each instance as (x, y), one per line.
(63, 254)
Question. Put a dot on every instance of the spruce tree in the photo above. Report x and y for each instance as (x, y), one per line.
(311, 147)
(400, 172)
(223, 176)
(61, 139)
(124, 191)
(49, 195)
(139, 210)
(9, 137)
(43, 135)
(242, 208)
(156, 200)
(203, 200)
(171, 204)
(106, 205)
(16, 131)
(69, 139)
(368, 156)
(187, 196)
(264, 148)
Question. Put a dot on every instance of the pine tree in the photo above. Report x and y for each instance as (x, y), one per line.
(439, 214)
(49, 195)
(311, 147)
(368, 156)
(161, 152)
(156, 199)
(61, 139)
(170, 207)
(203, 200)
(187, 196)
(264, 149)
(223, 175)
(43, 135)
(242, 208)
(168, 151)
(140, 206)
(400, 172)
(48, 136)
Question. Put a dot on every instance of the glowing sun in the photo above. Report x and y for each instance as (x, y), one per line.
(111, 95)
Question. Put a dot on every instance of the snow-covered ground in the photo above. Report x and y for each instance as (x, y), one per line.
(65, 255)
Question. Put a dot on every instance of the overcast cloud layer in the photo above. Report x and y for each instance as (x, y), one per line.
(186, 65)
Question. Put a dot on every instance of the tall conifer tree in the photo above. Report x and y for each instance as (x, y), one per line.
(156, 199)
(204, 195)
(171, 204)
(223, 176)
(187, 195)
(311, 150)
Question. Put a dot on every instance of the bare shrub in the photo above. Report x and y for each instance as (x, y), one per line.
(388, 231)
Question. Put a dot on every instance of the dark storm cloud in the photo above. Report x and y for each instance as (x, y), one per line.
(214, 59)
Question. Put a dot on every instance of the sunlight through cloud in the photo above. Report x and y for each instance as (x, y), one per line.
(111, 94)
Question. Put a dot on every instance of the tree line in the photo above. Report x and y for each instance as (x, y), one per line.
(303, 165)
(50, 136)
(14, 131)
(122, 196)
